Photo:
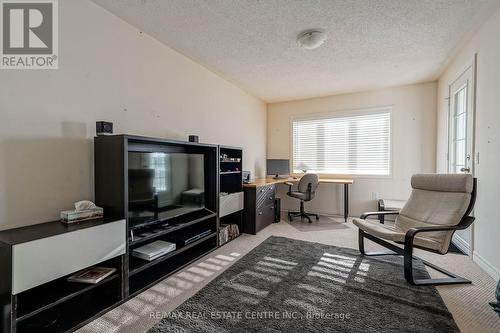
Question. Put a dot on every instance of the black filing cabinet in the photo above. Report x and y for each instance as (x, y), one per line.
(259, 207)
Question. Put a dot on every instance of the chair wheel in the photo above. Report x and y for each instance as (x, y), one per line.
(317, 217)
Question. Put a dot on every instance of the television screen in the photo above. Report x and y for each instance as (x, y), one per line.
(164, 185)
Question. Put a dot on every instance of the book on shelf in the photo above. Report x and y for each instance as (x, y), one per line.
(153, 250)
(92, 275)
(228, 232)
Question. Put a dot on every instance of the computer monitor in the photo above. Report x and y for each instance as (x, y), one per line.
(277, 168)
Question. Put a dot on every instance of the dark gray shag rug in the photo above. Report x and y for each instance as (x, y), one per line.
(287, 285)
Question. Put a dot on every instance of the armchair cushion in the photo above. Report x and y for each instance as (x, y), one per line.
(443, 182)
(436, 199)
(394, 234)
(384, 231)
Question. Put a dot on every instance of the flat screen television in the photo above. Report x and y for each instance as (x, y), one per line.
(164, 185)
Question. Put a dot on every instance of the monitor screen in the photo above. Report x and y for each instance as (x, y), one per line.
(276, 167)
(164, 185)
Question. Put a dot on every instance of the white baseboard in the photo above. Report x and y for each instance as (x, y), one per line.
(486, 266)
(461, 244)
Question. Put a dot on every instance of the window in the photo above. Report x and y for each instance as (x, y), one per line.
(347, 145)
(159, 162)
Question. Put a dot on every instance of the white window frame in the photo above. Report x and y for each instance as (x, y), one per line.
(347, 113)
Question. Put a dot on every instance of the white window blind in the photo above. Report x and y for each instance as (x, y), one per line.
(347, 145)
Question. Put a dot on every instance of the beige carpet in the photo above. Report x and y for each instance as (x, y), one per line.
(467, 303)
(324, 223)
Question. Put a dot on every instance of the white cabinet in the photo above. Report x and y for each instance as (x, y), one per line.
(40, 261)
(230, 203)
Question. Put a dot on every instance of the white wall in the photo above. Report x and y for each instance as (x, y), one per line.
(486, 44)
(414, 135)
(108, 70)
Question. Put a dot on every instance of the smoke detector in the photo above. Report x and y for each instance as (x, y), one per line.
(311, 39)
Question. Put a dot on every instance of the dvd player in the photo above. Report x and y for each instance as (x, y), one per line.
(185, 239)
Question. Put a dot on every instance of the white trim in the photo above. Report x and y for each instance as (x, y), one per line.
(486, 266)
(461, 244)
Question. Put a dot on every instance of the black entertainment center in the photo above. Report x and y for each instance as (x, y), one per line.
(165, 190)
(185, 194)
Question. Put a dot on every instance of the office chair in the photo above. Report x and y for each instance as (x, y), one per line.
(439, 205)
(305, 192)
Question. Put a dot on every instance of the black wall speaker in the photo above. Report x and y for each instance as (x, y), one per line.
(103, 128)
(194, 138)
(277, 210)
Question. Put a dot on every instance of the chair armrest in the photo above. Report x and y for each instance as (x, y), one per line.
(385, 212)
(288, 183)
(412, 232)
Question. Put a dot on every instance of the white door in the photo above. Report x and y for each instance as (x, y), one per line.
(461, 139)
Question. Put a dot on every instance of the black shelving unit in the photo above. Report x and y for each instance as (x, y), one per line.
(75, 312)
(37, 300)
(57, 305)
(63, 306)
(230, 193)
(112, 158)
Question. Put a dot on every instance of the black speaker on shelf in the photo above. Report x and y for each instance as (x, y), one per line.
(103, 128)
(277, 210)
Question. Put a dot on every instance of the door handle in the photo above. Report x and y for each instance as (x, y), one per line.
(465, 169)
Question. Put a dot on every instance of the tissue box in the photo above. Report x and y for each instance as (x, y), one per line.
(71, 216)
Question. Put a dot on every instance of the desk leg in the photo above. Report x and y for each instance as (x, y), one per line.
(346, 202)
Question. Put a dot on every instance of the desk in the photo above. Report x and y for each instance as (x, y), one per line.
(272, 181)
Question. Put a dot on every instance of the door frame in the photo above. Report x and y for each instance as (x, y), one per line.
(471, 64)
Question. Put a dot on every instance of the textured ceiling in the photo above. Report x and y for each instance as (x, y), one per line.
(371, 43)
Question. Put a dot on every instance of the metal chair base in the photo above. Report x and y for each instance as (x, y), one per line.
(302, 214)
